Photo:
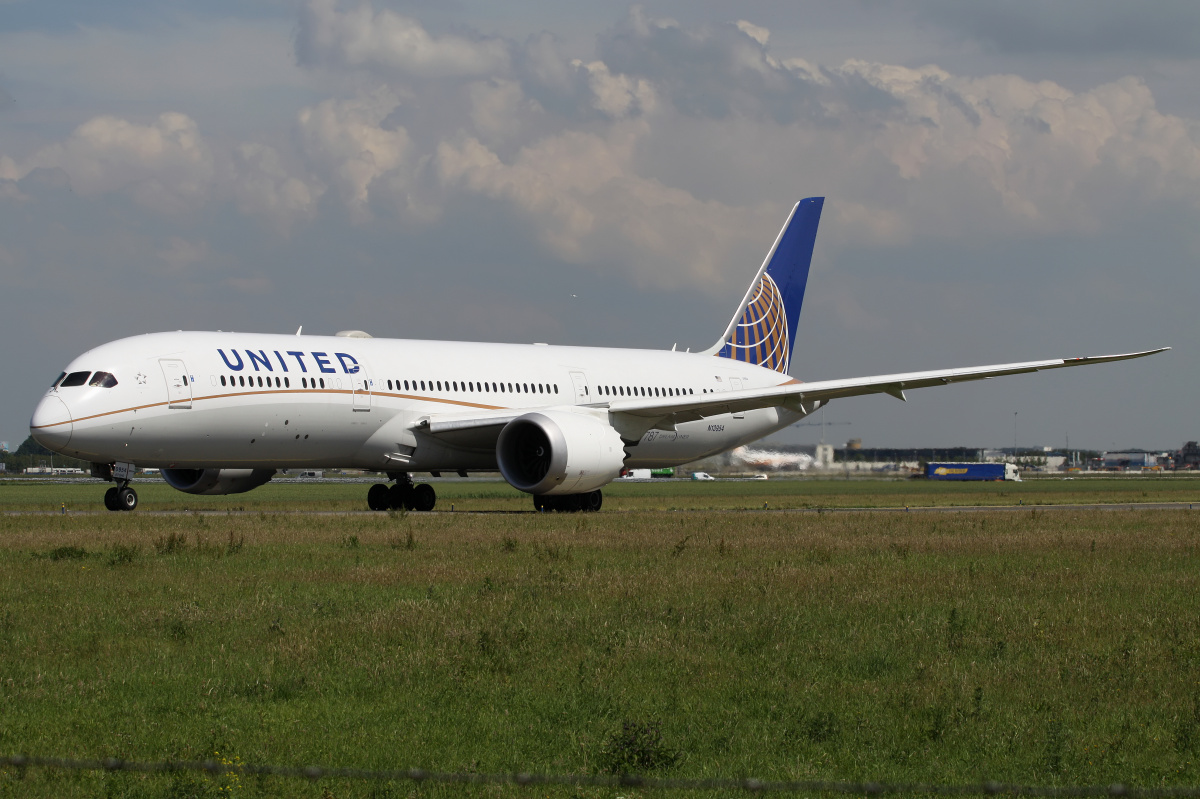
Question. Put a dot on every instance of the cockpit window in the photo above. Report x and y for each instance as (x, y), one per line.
(103, 380)
(74, 379)
(58, 379)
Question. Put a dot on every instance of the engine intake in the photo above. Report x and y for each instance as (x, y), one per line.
(559, 452)
(216, 481)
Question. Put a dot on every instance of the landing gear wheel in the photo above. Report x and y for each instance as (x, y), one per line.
(377, 497)
(400, 496)
(591, 501)
(423, 497)
(110, 499)
(126, 498)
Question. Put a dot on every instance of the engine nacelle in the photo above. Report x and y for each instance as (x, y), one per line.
(559, 452)
(216, 481)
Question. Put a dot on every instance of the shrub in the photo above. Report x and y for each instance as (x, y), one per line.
(636, 748)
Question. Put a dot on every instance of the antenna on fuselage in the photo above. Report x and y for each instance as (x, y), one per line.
(299, 329)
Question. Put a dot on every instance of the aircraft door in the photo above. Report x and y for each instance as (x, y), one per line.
(735, 384)
(581, 388)
(179, 385)
(360, 387)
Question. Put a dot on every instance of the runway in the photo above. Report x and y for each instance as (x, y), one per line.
(1125, 506)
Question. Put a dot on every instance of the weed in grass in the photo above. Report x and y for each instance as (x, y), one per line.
(1055, 745)
(821, 727)
(122, 554)
(177, 630)
(191, 786)
(170, 543)
(680, 546)
(1186, 730)
(954, 630)
(721, 547)
(350, 542)
(234, 545)
(934, 723)
(636, 748)
(509, 544)
(67, 553)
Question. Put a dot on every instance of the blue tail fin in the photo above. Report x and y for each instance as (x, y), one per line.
(763, 329)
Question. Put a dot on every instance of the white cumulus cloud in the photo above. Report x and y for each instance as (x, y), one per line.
(361, 37)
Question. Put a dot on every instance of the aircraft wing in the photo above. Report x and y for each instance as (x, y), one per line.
(695, 407)
(634, 416)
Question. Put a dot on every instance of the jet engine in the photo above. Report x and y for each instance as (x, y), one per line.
(216, 481)
(557, 452)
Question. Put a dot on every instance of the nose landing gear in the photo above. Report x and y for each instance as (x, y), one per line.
(403, 494)
(120, 496)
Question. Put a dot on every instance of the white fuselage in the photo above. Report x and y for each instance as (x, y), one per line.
(240, 400)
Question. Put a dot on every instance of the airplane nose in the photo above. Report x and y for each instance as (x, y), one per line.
(51, 423)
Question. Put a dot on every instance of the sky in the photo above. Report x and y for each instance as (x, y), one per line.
(1004, 182)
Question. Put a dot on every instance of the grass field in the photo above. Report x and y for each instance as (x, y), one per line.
(18, 495)
(1050, 647)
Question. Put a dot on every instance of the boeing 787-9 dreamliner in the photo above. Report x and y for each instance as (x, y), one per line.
(221, 413)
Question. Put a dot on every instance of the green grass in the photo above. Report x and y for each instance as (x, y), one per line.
(1039, 647)
(17, 495)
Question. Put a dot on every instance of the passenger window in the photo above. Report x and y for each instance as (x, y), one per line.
(222, 379)
(287, 383)
(556, 388)
(406, 385)
(74, 379)
(322, 382)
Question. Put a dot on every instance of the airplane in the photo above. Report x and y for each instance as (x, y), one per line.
(222, 413)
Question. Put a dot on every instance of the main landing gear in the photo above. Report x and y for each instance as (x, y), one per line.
(120, 498)
(570, 503)
(402, 495)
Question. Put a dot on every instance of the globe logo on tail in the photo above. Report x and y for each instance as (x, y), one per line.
(761, 335)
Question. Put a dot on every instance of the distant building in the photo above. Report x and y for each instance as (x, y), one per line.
(1131, 460)
(1188, 457)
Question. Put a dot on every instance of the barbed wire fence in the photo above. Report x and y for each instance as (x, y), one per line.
(214, 768)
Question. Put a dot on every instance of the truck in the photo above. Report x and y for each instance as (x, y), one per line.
(646, 474)
(972, 471)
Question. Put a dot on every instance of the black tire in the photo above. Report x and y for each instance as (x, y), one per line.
(591, 501)
(377, 497)
(399, 496)
(423, 497)
(110, 499)
(127, 498)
